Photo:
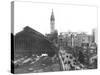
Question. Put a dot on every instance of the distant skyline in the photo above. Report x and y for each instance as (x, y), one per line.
(67, 17)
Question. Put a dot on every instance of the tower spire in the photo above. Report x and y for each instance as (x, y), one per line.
(52, 16)
(52, 22)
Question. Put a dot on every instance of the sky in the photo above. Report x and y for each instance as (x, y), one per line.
(73, 18)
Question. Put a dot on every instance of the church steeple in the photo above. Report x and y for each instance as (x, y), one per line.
(52, 16)
(52, 22)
